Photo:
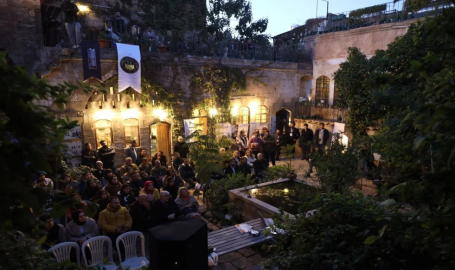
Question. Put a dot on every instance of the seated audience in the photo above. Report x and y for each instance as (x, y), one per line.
(128, 164)
(126, 177)
(83, 182)
(113, 187)
(165, 210)
(236, 157)
(143, 155)
(171, 187)
(55, 232)
(159, 172)
(136, 183)
(115, 219)
(91, 189)
(187, 204)
(244, 167)
(48, 182)
(101, 198)
(250, 158)
(141, 213)
(161, 157)
(145, 166)
(126, 196)
(65, 180)
(187, 172)
(81, 228)
(100, 173)
(231, 168)
(77, 204)
(177, 161)
(260, 166)
(149, 189)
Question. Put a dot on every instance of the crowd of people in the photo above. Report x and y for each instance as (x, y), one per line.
(147, 191)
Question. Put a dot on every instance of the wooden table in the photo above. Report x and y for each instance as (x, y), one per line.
(230, 239)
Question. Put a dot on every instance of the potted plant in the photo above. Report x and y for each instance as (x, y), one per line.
(103, 40)
(287, 153)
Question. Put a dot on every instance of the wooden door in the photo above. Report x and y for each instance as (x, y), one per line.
(161, 136)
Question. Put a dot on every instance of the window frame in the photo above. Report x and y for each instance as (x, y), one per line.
(262, 114)
(322, 86)
(138, 140)
(97, 140)
(241, 116)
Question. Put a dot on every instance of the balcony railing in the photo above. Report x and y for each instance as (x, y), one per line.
(319, 111)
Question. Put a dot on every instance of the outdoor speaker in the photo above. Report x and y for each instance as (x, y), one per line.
(180, 245)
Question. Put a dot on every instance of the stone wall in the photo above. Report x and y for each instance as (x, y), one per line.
(20, 31)
(330, 50)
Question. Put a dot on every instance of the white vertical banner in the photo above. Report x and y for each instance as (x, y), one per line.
(254, 126)
(224, 129)
(338, 128)
(129, 67)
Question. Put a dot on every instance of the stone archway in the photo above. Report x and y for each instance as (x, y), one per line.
(283, 117)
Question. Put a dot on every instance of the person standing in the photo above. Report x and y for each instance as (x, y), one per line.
(88, 156)
(131, 151)
(279, 140)
(118, 23)
(305, 141)
(181, 147)
(72, 25)
(269, 147)
(321, 137)
(255, 143)
(294, 135)
(106, 155)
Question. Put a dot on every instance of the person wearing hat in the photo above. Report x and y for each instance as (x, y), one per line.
(47, 181)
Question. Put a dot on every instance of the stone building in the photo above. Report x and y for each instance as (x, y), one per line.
(118, 118)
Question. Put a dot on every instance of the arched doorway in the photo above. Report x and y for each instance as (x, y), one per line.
(160, 138)
(283, 117)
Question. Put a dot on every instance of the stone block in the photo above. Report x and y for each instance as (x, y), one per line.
(247, 252)
(228, 257)
(224, 266)
(239, 262)
(256, 259)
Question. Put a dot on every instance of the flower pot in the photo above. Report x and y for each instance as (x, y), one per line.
(104, 43)
(292, 176)
(163, 49)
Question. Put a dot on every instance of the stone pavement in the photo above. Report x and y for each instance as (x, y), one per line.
(244, 259)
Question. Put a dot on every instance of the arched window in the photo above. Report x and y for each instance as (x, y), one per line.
(131, 130)
(322, 89)
(262, 114)
(103, 132)
(244, 115)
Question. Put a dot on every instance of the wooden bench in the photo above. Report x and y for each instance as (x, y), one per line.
(230, 239)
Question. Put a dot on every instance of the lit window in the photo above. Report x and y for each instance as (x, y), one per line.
(244, 115)
(262, 114)
(322, 89)
(103, 132)
(131, 128)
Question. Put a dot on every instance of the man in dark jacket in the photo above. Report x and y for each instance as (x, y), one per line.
(305, 141)
(293, 136)
(280, 140)
(321, 137)
(243, 167)
(269, 147)
(165, 210)
(231, 168)
(260, 165)
(142, 214)
(118, 23)
(181, 147)
(106, 155)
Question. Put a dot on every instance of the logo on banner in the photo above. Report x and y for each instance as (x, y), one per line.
(129, 65)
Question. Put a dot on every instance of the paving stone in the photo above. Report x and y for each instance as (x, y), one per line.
(239, 262)
(228, 257)
(247, 252)
(256, 267)
(224, 266)
(256, 259)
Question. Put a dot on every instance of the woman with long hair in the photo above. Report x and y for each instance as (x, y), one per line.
(113, 187)
(126, 196)
(187, 204)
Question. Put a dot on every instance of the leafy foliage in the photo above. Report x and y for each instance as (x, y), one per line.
(31, 140)
(222, 11)
(337, 168)
(368, 10)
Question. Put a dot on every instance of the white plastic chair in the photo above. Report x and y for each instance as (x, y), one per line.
(131, 259)
(62, 252)
(96, 247)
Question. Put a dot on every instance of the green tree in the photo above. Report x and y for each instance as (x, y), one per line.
(31, 140)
